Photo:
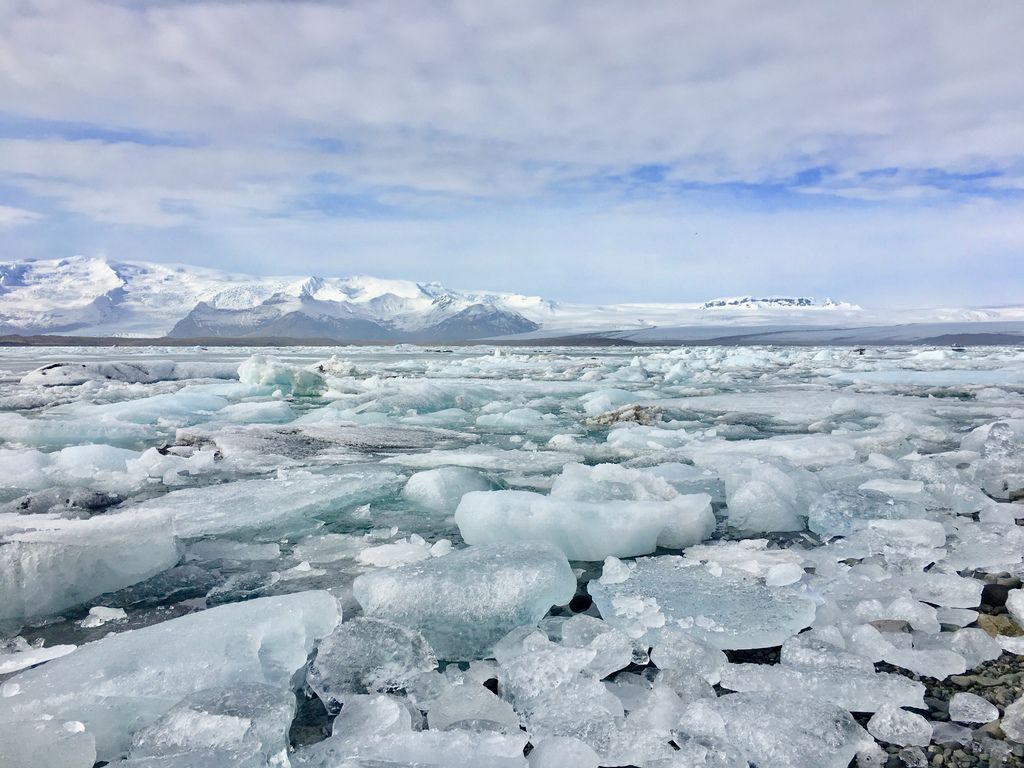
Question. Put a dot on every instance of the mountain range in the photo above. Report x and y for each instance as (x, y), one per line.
(83, 296)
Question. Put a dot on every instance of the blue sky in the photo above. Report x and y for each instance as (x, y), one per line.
(599, 151)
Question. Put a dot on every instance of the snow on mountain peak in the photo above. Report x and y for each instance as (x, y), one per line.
(775, 302)
(96, 297)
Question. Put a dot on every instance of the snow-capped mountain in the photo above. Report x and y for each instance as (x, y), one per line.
(86, 296)
(93, 297)
(775, 302)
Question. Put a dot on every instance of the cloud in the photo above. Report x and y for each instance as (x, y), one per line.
(16, 217)
(235, 119)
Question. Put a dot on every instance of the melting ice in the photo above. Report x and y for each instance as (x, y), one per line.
(544, 557)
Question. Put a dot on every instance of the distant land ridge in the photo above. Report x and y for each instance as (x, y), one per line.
(92, 297)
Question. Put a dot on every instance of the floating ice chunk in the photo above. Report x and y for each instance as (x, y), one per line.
(959, 617)
(100, 615)
(584, 530)
(1001, 469)
(1013, 721)
(805, 451)
(894, 487)
(563, 752)
(58, 432)
(823, 649)
(516, 420)
(659, 709)
(241, 723)
(973, 644)
(903, 542)
(613, 649)
(985, 547)
(186, 406)
(212, 549)
(408, 550)
(688, 479)
(466, 601)
(615, 571)
(939, 664)
(944, 589)
(636, 438)
(841, 512)
(751, 556)
(442, 489)
(608, 482)
(135, 372)
(539, 668)
(604, 400)
(467, 701)
(367, 655)
(365, 718)
(775, 730)
(970, 708)
(264, 412)
(918, 615)
(69, 562)
(580, 708)
(126, 681)
(728, 611)
(691, 521)
(767, 495)
(486, 459)
(677, 650)
(228, 507)
(329, 548)
(897, 726)
(49, 743)
(849, 689)
(268, 371)
(975, 439)
(1014, 645)
(19, 655)
(782, 574)
(454, 748)
(1015, 605)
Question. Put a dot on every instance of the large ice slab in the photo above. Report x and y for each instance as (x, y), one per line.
(67, 562)
(49, 743)
(465, 602)
(129, 372)
(441, 490)
(857, 691)
(271, 372)
(126, 682)
(368, 655)
(584, 530)
(245, 724)
(726, 608)
(777, 730)
(230, 507)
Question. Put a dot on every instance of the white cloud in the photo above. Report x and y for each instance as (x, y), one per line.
(16, 217)
(451, 111)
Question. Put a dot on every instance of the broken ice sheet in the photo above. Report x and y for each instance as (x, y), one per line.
(853, 446)
(726, 608)
(466, 601)
(124, 682)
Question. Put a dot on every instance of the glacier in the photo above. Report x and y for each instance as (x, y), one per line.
(520, 556)
(89, 296)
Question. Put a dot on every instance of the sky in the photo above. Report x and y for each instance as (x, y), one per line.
(870, 151)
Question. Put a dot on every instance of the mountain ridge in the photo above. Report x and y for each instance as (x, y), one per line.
(87, 296)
